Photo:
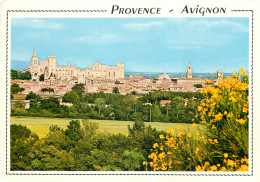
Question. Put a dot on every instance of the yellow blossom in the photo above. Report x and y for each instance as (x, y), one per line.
(145, 163)
(180, 134)
(219, 116)
(189, 135)
(213, 168)
(161, 148)
(245, 109)
(179, 127)
(155, 145)
(169, 153)
(225, 155)
(170, 131)
(230, 115)
(199, 168)
(194, 125)
(197, 150)
(241, 71)
(225, 112)
(163, 167)
(244, 160)
(206, 163)
(161, 136)
(243, 168)
(161, 155)
(223, 169)
(241, 121)
(230, 163)
(200, 108)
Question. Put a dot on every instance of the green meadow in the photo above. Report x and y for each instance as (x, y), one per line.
(40, 125)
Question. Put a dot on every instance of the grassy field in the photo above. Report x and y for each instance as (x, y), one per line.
(41, 125)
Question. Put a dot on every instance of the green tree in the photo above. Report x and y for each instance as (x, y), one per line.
(142, 137)
(32, 96)
(44, 90)
(14, 74)
(46, 157)
(71, 97)
(41, 77)
(21, 141)
(100, 103)
(132, 161)
(24, 76)
(134, 92)
(198, 85)
(79, 86)
(51, 104)
(15, 88)
(74, 133)
(115, 90)
(50, 90)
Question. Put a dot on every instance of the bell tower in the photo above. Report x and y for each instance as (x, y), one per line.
(34, 59)
(189, 71)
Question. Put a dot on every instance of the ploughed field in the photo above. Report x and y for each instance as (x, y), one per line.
(40, 125)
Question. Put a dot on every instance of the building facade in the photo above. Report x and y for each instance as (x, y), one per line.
(51, 71)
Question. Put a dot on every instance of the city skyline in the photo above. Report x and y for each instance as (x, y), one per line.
(210, 44)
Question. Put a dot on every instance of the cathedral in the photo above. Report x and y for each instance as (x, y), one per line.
(50, 70)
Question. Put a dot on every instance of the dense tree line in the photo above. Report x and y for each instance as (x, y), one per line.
(80, 147)
(182, 108)
(20, 76)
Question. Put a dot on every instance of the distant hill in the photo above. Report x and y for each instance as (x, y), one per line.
(19, 65)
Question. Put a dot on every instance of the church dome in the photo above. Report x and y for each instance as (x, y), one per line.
(163, 77)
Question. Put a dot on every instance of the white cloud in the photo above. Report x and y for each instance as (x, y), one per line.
(210, 24)
(184, 47)
(98, 38)
(204, 24)
(143, 26)
(196, 33)
(36, 24)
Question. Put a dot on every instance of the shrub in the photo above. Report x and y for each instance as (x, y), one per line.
(223, 146)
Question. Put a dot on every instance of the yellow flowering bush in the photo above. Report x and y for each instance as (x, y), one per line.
(178, 151)
(222, 145)
(225, 113)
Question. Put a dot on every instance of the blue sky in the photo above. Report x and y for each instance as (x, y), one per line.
(143, 44)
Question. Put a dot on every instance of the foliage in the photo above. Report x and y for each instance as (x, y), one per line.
(71, 97)
(41, 78)
(225, 111)
(47, 90)
(122, 107)
(51, 104)
(198, 85)
(14, 74)
(79, 87)
(21, 141)
(115, 90)
(224, 144)
(15, 88)
(24, 76)
(32, 96)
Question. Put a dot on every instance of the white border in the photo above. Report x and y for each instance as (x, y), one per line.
(107, 14)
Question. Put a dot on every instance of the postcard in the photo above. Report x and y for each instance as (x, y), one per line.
(145, 91)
